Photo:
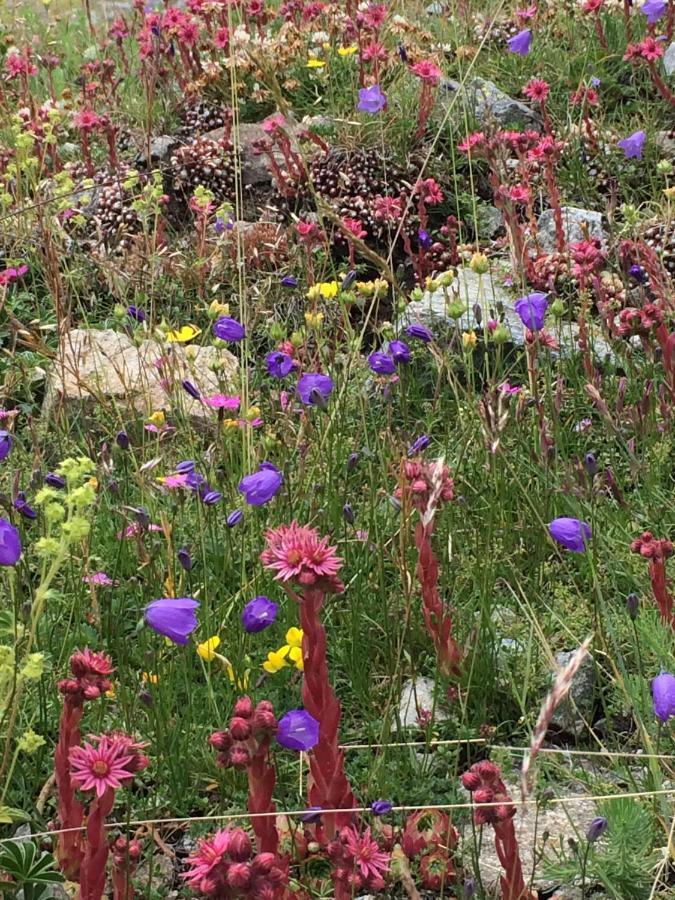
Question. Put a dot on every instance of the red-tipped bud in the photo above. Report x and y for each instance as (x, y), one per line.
(264, 721)
(91, 692)
(263, 863)
(265, 706)
(487, 770)
(240, 729)
(240, 848)
(471, 781)
(221, 740)
(239, 757)
(208, 887)
(238, 876)
(504, 811)
(484, 795)
(243, 708)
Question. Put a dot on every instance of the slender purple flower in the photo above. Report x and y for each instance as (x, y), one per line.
(638, 273)
(228, 329)
(633, 606)
(572, 534)
(190, 389)
(596, 829)
(234, 518)
(312, 816)
(210, 498)
(298, 730)
(352, 461)
(289, 281)
(185, 467)
(174, 617)
(419, 445)
(6, 441)
(136, 313)
(381, 363)
(55, 481)
(348, 280)
(348, 514)
(654, 10)
(185, 558)
(20, 504)
(532, 310)
(260, 487)
(314, 387)
(399, 352)
(10, 544)
(371, 100)
(259, 614)
(381, 807)
(520, 43)
(633, 145)
(122, 439)
(419, 331)
(424, 238)
(663, 696)
(279, 364)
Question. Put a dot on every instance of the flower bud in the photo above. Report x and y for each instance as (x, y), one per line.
(263, 864)
(471, 781)
(240, 729)
(240, 848)
(633, 605)
(348, 514)
(185, 559)
(483, 795)
(243, 708)
(264, 720)
(122, 439)
(238, 876)
(558, 308)
(590, 464)
(239, 757)
(220, 740)
(596, 829)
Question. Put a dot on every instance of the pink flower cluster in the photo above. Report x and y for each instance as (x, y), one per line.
(484, 781)
(639, 321)
(224, 866)
(91, 673)
(360, 864)
(423, 480)
(297, 553)
(247, 728)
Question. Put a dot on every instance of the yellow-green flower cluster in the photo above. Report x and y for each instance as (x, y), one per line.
(65, 515)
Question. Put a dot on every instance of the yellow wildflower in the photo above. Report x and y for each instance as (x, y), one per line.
(207, 649)
(313, 320)
(315, 63)
(347, 51)
(294, 637)
(110, 693)
(241, 684)
(314, 292)
(149, 678)
(217, 309)
(329, 289)
(276, 660)
(469, 340)
(157, 418)
(183, 335)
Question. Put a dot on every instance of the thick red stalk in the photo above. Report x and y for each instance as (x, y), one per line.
(261, 781)
(92, 881)
(70, 811)
(506, 844)
(329, 787)
(436, 617)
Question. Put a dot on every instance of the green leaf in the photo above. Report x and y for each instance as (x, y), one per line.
(9, 814)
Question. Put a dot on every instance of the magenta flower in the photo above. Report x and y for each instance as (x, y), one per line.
(314, 389)
(532, 310)
(10, 544)
(99, 579)
(174, 617)
(663, 696)
(259, 614)
(298, 731)
(223, 401)
(654, 10)
(98, 768)
(228, 329)
(297, 553)
(520, 43)
(371, 100)
(633, 145)
(260, 487)
(572, 534)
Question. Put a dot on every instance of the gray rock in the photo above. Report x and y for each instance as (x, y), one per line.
(578, 705)
(435, 9)
(162, 870)
(161, 148)
(487, 103)
(664, 140)
(574, 220)
(418, 696)
(97, 367)
(490, 222)
(669, 59)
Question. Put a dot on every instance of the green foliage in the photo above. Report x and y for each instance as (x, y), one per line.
(29, 868)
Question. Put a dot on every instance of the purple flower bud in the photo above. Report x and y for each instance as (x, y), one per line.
(185, 559)
(572, 534)
(591, 464)
(136, 313)
(189, 388)
(348, 514)
(381, 807)
(638, 274)
(348, 280)
(395, 503)
(403, 53)
(298, 730)
(596, 829)
(419, 445)
(10, 544)
(421, 332)
(6, 441)
(312, 816)
(259, 614)
(228, 329)
(210, 498)
(352, 461)
(234, 518)
(122, 439)
(55, 481)
(185, 467)
(469, 888)
(21, 506)
(289, 281)
(174, 617)
(381, 363)
(424, 238)
(663, 695)
(196, 482)
(260, 487)
(632, 606)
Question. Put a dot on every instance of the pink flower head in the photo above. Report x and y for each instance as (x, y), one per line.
(222, 38)
(99, 579)
(19, 64)
(91, 673)
(359, 861)
(9, 276)
(355, 228)
(297, 553)
(108, 763)
(429, 190)
(223, 401)
(387, 209)
(537, 89)
(425, 482)
(273, 122)
(86, 120)
(135, 529)
(223, 865)
(427, 70)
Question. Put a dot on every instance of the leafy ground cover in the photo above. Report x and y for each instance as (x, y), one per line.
(338, 379)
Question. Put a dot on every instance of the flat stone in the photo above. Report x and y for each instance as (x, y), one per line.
(93, 367)
(666, 142)
(574, 222)
(669, 59)
(418, 696)
(487, 103)
(161, 148)
(255, 167)
(579, 702)
(490, 222)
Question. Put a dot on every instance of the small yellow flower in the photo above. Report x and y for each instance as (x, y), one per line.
(253, 412)
(347, 51)
(314, 292)
(276, 660)
(218, 309)
(230, 423)
(469, 340)
(294, 637)
(315, 63)
(313, 320)
(157, 418)
(207, 650)
(295, 655)
(149, 678)
(329, 289)
(110, 693)
(670, 193)
(93, 482)
(241, 684)
(183, 335)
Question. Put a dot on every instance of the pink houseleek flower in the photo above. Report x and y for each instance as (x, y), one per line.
(297, 553)
(108, 764)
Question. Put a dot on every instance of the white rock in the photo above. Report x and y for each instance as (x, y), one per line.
(574, 222)
(418, 696)
(669, 59)
(487, 104)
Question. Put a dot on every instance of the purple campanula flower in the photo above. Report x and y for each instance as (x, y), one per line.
(399, 351)
(298, 730)
(185, 467)
(174, 617)
(289, 281)
(55, 481)
(259, 614)
(520, 43)
(219, 227)
(209, 497)
(591, 464)
(371, 100)
(663, 696)
(532, 310)
(381, 363)
(654, 10)
(6, 441)
(122, 439)
(638, 273)
(312, 384)
(352, 461)
(20, 504)
(228, 329)
(260, 487)
(190, 388)
(279, 364)
(572, 534)
(424, 238)
(381, 807)
(596, 829)
(419, 331)
(633, 145)
(10, 544)
(312, 816)
(234, 518)
(419, 445)
(136, 313)
(403, 53)
(633, 606)
(185, 559)
(196, 482)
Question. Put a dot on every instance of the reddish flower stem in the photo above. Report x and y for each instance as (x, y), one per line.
(70, 811)
(506, 844)
(261, 781)
(92, 882)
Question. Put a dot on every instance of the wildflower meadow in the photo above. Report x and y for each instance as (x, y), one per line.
(337, 449)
